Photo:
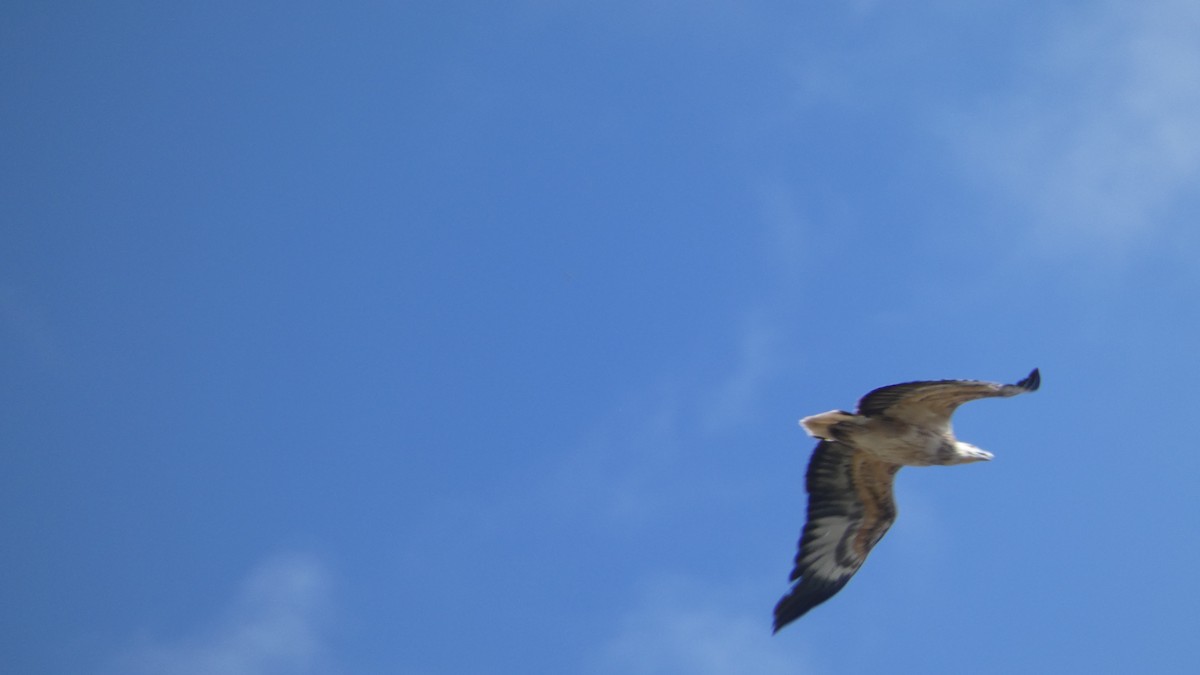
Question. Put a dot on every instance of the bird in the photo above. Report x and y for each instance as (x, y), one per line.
(852, 470)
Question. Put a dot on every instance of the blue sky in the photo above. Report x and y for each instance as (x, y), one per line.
(436, 338)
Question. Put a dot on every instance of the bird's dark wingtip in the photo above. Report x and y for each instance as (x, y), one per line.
(804, 596)
(1032, 382)
(780, 623)
(788, 611)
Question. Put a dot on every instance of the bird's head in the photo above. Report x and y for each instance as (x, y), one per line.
(967, 453)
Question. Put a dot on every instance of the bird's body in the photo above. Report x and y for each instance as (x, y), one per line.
(892, 440)
(854, 465)
(887, 440)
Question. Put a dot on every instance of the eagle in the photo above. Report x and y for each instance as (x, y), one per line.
(850, 475)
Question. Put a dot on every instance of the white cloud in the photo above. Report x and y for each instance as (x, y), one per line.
(623, 468)
(626, 468)
(1099, 139)
(682, 628)
(274, 627)
(763, 355)
(785, 228)
(614, 473)
(732, 401)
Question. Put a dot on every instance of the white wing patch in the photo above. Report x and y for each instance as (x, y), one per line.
(850, 507)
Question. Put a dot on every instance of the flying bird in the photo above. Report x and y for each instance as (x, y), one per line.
(854, 465)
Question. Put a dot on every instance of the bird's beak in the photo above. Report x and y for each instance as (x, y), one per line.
(982, 455)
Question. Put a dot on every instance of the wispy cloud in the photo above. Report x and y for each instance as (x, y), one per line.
(660, 455)
(628, 467)
(274, 626)
(612, 473)
(731, 401)
(1098, 137)
(681, 627)
(623, 468)
(785, 242)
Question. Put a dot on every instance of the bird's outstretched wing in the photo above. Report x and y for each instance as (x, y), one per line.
(850, 507)
(930, 404)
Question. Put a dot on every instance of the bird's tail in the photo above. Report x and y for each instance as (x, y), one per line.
(821, 426)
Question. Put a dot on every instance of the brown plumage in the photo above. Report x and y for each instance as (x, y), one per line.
(853, 468)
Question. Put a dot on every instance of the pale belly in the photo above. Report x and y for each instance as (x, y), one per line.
(898, 443)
